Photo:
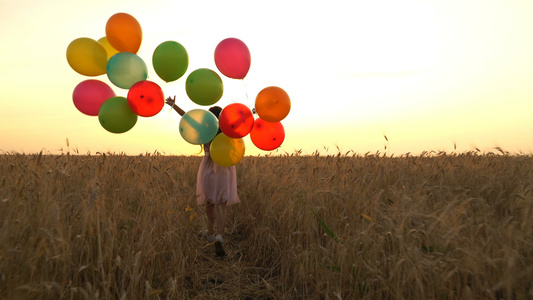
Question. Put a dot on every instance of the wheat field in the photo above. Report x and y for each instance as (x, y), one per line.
(345, 226)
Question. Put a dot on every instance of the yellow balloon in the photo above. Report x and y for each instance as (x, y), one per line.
(226, 151)
(108, 47)
(87, 57)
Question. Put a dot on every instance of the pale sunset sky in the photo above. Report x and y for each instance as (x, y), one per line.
(426, 74)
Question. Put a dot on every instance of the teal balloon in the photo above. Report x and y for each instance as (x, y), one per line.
(124, 69)
(198, 126)
(204, 87)
(170, 61)
(116, 116)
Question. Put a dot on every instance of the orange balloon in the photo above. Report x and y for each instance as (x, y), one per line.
(124, 32)
(272, 104)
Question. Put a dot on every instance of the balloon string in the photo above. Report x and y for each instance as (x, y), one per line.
(250, 104)
(245, 90)
(170, 109)
(172, 103)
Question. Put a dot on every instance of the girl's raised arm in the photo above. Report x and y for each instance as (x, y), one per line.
(172, 103)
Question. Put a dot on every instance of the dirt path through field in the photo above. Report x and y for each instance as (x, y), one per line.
(233, 276)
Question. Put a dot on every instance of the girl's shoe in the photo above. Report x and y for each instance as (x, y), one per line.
(219, 245)
(209, 238)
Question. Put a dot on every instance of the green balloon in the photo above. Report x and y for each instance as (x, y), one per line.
(198, 126)
(124, 69)
(170, 60)
(204, 87)
(116, 116)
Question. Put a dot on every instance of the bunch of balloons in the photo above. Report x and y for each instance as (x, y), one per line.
(115, 54)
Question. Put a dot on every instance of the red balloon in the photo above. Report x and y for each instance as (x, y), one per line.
(146, 98)
(232, 58)
(236, 120)
(266, 135)
(89, 95)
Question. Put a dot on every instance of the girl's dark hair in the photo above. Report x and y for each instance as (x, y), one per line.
(216, 111)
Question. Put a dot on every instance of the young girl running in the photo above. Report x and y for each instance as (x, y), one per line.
(216, 188)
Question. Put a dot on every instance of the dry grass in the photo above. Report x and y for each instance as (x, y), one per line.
(443, 226)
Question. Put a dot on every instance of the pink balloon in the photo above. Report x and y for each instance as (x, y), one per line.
(232, 58)
(236, 120)
(89, 95)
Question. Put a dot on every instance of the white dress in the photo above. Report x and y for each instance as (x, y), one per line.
(215, 184)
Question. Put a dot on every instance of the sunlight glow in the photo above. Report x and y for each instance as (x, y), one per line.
(426, 74)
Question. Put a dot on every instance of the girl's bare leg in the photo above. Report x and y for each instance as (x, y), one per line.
(210, 213)
(221, 218)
